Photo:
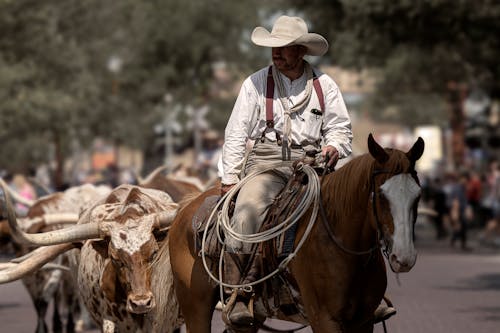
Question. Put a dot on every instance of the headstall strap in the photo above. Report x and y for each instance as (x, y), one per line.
(375, 173)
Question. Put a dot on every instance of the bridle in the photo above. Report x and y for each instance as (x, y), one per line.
(380, 235)
(374, 194)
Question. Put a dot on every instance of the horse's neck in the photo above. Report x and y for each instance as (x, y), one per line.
(346, 197)
(347, 188)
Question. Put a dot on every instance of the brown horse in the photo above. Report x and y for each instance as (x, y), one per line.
(340, 270)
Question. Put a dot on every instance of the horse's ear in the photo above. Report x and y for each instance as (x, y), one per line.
(376, 150)
(417, 150)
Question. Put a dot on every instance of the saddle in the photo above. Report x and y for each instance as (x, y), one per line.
(201, 222)
(279, 296)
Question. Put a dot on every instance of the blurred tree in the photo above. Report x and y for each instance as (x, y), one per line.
(79, 69)
(177, 44)
(424, 48)
(46, 82)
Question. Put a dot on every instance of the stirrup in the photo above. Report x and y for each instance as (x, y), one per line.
(230, 306)
(382, 313)
(241, 316)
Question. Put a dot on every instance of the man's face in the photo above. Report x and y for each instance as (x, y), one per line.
(288, 57)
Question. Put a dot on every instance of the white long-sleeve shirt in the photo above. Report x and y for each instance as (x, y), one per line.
(248, 119)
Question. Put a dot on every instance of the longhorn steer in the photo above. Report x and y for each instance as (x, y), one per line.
(122, 283)
(45, 285)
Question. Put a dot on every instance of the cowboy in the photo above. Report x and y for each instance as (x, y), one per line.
(282, 112)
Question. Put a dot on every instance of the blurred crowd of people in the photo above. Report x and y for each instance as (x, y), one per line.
(459, 201)
(37, 183)
(465, 200)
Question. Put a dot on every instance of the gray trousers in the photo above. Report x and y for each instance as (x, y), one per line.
(257, 195)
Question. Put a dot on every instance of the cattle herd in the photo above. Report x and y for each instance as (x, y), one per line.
(94, 252)
(116, 255)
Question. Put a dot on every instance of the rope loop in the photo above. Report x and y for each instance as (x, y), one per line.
(310, 198)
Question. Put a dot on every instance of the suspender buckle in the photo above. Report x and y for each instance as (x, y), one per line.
(270, 123)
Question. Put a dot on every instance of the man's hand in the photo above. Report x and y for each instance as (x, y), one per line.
(224, 188)
(330, 156)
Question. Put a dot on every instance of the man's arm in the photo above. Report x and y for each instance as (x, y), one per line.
(236, 134)
(336, 126)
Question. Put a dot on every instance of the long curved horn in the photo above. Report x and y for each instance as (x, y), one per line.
(16, 195)
(59, 218)
(165, 218)
(41, 256)
(48, 220)
(153, 174)
(47, 266)
(74, 233)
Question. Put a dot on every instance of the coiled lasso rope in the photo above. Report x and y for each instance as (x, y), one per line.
(310, 197)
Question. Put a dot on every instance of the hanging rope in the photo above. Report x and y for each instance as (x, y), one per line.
(310, 197)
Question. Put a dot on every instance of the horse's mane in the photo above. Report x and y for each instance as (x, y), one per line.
(345, 187)
(187, 199)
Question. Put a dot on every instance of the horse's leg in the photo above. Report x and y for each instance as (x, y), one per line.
(196, 307)
(366, 328)
(195, 293)
(327, 325)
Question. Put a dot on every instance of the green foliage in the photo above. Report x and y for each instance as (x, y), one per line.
(419, 45)
(56, 83)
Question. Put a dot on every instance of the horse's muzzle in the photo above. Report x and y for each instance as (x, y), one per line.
(402, 265)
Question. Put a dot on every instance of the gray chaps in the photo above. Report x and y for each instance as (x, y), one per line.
(256, 196)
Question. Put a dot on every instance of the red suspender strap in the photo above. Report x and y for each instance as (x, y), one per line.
(319, 92)
(269, 98)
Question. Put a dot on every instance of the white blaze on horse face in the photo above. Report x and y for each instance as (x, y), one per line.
(401, 191)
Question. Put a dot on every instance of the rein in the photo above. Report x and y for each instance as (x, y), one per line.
(380, 235)
(336, 240)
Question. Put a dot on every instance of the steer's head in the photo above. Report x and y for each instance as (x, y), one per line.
(129, 217)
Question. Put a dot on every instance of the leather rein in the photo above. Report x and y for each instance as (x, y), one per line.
(380, 234)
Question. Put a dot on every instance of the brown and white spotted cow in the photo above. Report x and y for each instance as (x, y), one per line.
(125, 287)
(51, 212)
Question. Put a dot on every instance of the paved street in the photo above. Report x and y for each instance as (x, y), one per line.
(447, 291)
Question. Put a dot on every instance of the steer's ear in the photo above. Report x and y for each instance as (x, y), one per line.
(108, 281)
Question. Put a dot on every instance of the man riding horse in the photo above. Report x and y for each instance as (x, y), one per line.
(282, 113)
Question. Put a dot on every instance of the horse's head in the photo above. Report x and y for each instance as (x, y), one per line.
(396, 192)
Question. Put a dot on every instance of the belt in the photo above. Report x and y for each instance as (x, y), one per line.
(292, 146)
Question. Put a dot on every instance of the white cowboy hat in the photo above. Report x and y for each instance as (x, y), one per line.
(288, 31)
